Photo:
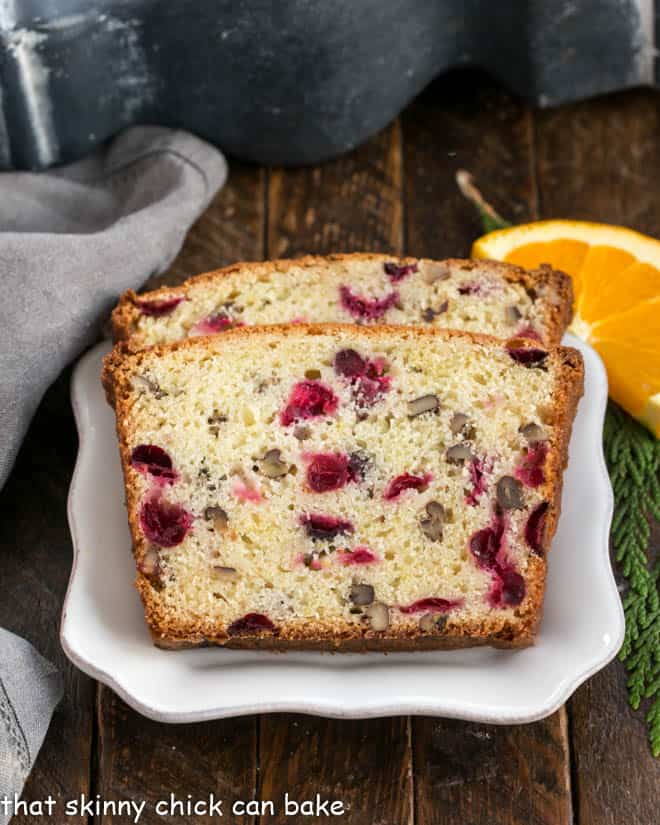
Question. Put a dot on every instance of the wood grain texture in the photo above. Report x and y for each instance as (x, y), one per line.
(145, 760)
(600, 161)
(486, 775)
(366, 764)
(469, 772)
(35, 559)
(350, 204)
(138, 758)
(463, 121)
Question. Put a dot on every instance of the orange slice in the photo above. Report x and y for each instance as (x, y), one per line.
(616, 281)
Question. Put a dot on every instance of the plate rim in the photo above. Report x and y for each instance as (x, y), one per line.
(424, 707)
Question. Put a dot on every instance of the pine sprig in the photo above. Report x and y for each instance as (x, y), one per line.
(633, 460)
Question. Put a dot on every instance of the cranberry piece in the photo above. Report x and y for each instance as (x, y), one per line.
(324, 528)
(366, 308)
(215, 323)
(512, 590)
(251, 623)
(368, 377)
(159, 308)
(397, 272)
(432, 604)
(308, 399)
(328, 471)
(350, 364)
(528, 331)
(508, 587)
(373, 384)
(484, 546)
(360, 555)
(154, 461)
(163, 523)
(479, 469)
(406, 481)
(244, 492)
(528, 356)
(530, 470)
(535, 527)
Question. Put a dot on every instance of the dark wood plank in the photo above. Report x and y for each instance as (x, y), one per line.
(146, 761)
(491, 775)
(599, 161)
(350, 204)
(365, 765)
(139, 759)
(36, 552)
(470, 772)
(463, 121)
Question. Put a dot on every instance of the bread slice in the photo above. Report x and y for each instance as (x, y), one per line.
(478, 296)
(343, 487)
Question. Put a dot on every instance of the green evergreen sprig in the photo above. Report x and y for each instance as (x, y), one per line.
(633, 461)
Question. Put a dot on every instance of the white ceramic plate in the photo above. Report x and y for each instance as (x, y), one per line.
(103, 631)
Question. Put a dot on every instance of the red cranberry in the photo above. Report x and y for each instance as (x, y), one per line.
(432, 605)
(308, 399)
(350, 364)
(513, 587)
(360, 555)
(373, 384)
(508, 587)
(163, 523)
(154, 461)
(366, 308)
(328, 471)
(484, 546)
(251, 623)
(368, 377)
(479, 469)
(528, 331)
(404, 482)
(528, 356)
(535, 527)
(324, 528)
(530, 470)
(471, 288)
(397, 272)
(216, 323)
(159, 308)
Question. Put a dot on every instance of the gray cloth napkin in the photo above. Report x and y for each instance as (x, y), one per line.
(71, 240)
(30, 687)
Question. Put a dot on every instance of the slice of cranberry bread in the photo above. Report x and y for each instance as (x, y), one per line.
(478, 296)
(341, 486)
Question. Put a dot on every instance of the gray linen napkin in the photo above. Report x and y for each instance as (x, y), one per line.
(71, 240)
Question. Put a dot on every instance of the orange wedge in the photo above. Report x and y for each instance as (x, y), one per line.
(616, 281)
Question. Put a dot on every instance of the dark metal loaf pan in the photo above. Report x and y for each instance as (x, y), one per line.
(287, 81)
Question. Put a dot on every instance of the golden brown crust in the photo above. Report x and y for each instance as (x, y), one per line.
(558, 299)
(497, 631)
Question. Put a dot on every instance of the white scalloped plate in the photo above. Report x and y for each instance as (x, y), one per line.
(104, 634)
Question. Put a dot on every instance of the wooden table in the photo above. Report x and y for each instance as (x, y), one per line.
(589, 763)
